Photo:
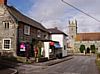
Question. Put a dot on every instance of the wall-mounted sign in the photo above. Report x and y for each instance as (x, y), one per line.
(22, 47)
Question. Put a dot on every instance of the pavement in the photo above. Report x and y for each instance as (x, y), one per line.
(53, 62)
(28, 68)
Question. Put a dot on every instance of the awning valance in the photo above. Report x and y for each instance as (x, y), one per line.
(57, 46)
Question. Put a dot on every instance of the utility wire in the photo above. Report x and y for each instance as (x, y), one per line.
(81, 11)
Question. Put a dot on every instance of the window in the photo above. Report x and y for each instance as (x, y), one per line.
(38, 33)
(27, 30)
(72, 36)
(6, 25)
(6, 44)
(72, 29)
(64, 47)
(65, 37)
(46, 36)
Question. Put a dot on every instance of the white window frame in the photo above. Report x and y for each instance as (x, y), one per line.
(9, 44)
(39, 33)
(46, 36)
(26, 29)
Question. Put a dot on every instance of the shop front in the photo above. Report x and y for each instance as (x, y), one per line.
(55, 49)
(28, 48)
(52, 49)
(24, 49)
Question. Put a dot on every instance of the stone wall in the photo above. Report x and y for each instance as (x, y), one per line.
(7, 33)
(77, 44)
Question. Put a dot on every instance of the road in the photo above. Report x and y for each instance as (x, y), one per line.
(77, 65)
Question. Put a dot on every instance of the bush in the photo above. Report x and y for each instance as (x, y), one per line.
(98, 55)
(98, 64)
(93, 48)
(82, 48)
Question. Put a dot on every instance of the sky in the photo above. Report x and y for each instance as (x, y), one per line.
(55, 13)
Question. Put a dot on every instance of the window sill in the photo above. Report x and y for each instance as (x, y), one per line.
(27, 34)
(6, 49)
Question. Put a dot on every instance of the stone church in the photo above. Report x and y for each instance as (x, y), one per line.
(78, 39)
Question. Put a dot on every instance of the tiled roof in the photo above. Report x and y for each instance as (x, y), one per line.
(22, 18)
(56, 31)
(88, 36)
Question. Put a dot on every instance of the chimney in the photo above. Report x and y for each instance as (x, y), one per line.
(4, 2)
(56, 28)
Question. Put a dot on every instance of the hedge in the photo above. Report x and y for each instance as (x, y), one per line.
(82, 48)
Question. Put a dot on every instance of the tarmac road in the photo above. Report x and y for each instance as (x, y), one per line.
(77, 65)
(7, 71)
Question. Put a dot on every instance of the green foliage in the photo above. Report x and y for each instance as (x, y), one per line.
(98, 55)
(98, 62)
(93, 48)
(39, 52)
(28, 62)
(82, 48)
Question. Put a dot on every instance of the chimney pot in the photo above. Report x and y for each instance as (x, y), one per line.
(56, 28)
(4, 2)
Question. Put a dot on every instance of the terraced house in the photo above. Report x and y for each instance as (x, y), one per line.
(17, 29)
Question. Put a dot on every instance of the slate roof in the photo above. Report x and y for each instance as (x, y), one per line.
(88, 36)
(22, 18)
(56, 31)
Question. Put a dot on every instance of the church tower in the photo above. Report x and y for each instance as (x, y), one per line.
(72, 29)
(72, 34)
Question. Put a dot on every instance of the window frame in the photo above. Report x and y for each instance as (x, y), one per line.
(27, 27)
(39, 33)
(6, 24)
(64, 47)
(46, 36)
(3, 47)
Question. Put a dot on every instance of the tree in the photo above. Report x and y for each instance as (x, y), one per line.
(82, 48)
(93, 48)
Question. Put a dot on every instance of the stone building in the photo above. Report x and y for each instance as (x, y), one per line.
(16, 28)
(78, 39)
